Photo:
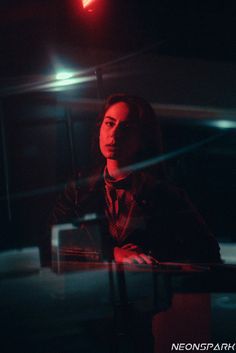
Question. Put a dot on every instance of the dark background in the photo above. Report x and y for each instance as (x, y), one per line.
(32, 30)
(180, 57)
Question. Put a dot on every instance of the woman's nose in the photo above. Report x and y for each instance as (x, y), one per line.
(116, 131)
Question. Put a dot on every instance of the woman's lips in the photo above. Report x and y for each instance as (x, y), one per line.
(111, 146)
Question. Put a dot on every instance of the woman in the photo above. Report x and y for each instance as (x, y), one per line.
(145, 219)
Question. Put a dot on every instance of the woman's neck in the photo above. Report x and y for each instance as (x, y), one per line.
(116, 169)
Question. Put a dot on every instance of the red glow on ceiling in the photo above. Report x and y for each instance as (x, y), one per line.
(85, 8)
(87, 3)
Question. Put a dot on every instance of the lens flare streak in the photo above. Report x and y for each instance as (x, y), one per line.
(137, 166)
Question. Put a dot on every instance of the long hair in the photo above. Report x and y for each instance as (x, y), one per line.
(148, 123)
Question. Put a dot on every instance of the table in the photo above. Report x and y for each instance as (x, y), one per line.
(46, 312)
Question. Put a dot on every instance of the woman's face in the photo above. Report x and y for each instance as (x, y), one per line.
(119, 134)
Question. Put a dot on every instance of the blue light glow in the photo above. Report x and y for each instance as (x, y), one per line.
(224, 124)
(64, 75)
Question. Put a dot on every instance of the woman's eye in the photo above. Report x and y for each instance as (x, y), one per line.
(109, 123)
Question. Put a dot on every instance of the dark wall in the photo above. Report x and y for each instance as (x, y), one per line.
(207, 170)
(45, 142)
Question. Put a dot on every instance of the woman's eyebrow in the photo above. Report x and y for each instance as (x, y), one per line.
(109, 117)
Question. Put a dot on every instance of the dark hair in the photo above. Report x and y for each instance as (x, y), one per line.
(149, 126)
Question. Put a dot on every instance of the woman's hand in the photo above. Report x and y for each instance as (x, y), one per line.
(132, 254)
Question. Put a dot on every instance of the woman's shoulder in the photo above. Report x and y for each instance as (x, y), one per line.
(84, 180)
(153, 184)
(164, 192)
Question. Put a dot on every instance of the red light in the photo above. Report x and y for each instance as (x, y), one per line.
(87, 3)
(85, 8)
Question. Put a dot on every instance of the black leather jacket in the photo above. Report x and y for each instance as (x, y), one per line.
(174, 230)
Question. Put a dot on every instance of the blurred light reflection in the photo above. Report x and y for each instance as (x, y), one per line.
(223, 124)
